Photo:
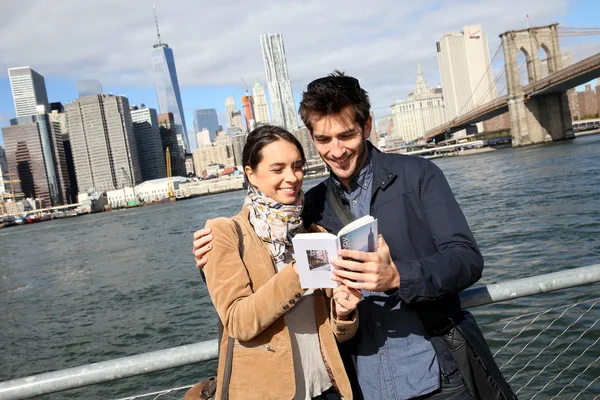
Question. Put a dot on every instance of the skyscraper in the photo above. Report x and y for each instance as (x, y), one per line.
(35, 154)
(149, 145)
(278, 80)
(168, 137)
(28, 90)
(261, 109)
(248, 104)
(103, 143)
(206, 118)
(464, 63)
(234, 117)
(87, 87)
(167, 86)
(237, 143)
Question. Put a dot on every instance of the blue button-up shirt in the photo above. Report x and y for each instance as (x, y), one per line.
(394, 360)
(359, 194)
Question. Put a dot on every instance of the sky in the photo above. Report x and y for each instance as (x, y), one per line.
(216, 44)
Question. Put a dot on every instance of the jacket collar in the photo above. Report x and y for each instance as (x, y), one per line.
(382, 175)
(251, 238)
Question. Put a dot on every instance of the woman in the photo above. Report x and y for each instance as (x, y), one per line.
(285, 336)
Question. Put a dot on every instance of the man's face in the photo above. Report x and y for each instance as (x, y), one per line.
(341, 142)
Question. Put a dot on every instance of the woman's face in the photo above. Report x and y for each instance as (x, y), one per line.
(279, 174)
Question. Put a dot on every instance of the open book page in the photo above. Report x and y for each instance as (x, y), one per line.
(363, 237)
(313, 252)
(367, 219)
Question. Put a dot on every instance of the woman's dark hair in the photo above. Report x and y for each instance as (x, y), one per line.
(262, 136)
(330, 95)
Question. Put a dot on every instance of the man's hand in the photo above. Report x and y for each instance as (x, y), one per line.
(346, 300)
(202, 246)
(374, 271)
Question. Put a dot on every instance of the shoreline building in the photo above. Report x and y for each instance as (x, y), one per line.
(238, 142)
(58, 115)
(206, 118)
(149, 145)
(203, 138)
(219, 152)
(167, 86)
(28, 90)
(278, 81)
(310, 151)
(168, 138)
(261, 108)
(464, 63)
(421, 111)
(36, 158)
(385, 126)
(103, 143)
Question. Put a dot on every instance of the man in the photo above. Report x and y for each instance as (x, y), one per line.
(428, 256)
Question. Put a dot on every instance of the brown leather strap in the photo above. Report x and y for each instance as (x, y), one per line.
(230, 340)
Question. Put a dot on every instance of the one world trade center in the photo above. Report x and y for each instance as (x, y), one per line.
(167, 87)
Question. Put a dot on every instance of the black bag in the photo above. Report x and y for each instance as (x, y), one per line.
(481, 376)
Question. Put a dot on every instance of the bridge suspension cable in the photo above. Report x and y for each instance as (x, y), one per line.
(519, 71)
(576, 31)
(489, 67)
(492, 87)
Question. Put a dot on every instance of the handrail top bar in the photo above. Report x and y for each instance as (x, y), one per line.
(509, 290)
(140, 364)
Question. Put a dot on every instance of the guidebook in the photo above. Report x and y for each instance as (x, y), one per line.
(314, 250)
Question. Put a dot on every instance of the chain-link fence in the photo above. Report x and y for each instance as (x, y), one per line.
(551, 353)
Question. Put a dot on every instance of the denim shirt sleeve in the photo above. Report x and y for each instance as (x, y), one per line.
(458, 263)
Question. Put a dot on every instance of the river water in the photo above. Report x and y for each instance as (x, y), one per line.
(98, 287)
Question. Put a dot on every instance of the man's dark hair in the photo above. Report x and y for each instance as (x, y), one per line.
(262, 136)
(330, 95)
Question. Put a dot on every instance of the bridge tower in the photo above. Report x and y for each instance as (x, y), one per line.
(532, 119)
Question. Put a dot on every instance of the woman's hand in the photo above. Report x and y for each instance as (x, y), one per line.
(202, 246)
(346, 299)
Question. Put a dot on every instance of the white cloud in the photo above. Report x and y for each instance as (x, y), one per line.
(215, 43)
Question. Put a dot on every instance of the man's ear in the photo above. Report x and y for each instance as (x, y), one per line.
(368, 126)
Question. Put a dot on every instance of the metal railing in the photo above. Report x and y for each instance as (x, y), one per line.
(525, 379)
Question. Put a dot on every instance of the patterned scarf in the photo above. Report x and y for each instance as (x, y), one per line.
(274, 223)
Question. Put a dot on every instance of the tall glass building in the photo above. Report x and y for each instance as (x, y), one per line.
(167, 88)
(206, 118)
(278, 80)
(28, 90)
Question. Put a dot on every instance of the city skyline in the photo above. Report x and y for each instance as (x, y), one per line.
(204, 86)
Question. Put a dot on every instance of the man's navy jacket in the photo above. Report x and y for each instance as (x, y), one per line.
(430, 243)
(429, 238)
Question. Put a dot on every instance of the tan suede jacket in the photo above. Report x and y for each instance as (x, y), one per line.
(251, 300)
